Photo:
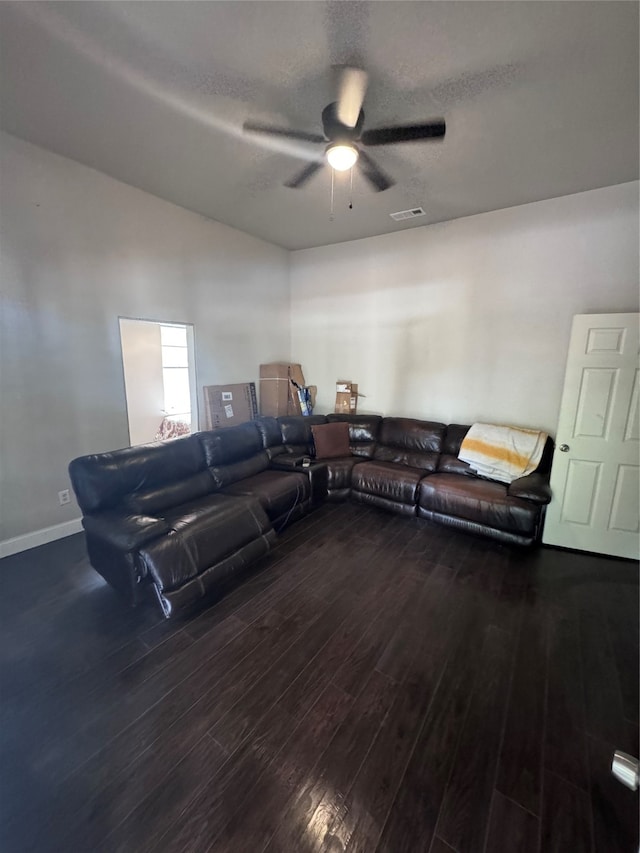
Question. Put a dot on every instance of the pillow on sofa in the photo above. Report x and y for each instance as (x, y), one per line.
(331, 440)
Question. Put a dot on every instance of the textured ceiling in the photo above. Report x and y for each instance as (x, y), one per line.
(540, 99)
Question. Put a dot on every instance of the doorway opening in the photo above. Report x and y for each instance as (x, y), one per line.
(159, 376)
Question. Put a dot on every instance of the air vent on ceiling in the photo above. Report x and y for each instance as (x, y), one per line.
(407, 214)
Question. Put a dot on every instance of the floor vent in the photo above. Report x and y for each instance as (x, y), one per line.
(407, 214)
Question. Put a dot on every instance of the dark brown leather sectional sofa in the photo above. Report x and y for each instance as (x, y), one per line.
(177, 517)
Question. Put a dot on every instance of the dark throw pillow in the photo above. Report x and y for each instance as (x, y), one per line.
(331, 440)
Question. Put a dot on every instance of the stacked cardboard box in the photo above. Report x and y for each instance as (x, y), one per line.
(229, 405)
(346, 397)
(278, 394)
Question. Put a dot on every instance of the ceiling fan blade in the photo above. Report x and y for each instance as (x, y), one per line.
(352, 86)
(303, 176)
(287, 133)
(409, 133)
(373, 173)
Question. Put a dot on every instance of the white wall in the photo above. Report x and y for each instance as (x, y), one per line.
(465, 320)
(78, 249)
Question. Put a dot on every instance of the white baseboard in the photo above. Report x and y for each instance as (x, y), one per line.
(39, 537)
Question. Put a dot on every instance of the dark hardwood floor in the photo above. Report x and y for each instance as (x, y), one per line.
(377, 684)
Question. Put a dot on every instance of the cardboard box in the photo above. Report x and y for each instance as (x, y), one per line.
(278, 394)
(229, 405)
(346, 397)
(274, 389)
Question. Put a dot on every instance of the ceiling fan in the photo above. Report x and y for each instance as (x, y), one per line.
(342, 123)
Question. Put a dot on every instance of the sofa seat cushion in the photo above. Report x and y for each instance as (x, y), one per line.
(277, 491)
(181, 516)
(339, 471)
(395, 482)
(533, 487)
(482, 501)
(200, 535)
(124, 532)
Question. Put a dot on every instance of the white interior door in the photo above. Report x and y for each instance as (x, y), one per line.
(594, 478)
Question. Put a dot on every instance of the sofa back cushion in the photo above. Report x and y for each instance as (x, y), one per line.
(234, 453)
(296, 432)
(410, 442)
(155, 500)
(547, 457)
(105, 480)
(233, 444)
(363, 432)
(453, 438)
(269, 429)
(448, 463)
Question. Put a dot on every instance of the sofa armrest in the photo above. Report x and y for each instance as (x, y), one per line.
(534, 487)
(288, 462)
(317, 472)
(124, 532)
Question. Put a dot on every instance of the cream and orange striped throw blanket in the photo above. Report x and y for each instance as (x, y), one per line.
(502, 453)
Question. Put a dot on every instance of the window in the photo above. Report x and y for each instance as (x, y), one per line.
(175, 373)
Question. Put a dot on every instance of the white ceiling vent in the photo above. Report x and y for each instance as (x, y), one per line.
(407, 214)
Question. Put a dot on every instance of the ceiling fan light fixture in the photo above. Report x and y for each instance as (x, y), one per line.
(348, 141)
(342, 157)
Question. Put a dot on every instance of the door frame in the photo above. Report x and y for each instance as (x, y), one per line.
(193, 365)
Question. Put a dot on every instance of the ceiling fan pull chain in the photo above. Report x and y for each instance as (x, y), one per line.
(331, 212)
(351, 190)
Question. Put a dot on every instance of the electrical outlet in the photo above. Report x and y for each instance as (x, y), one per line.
(64, 497)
